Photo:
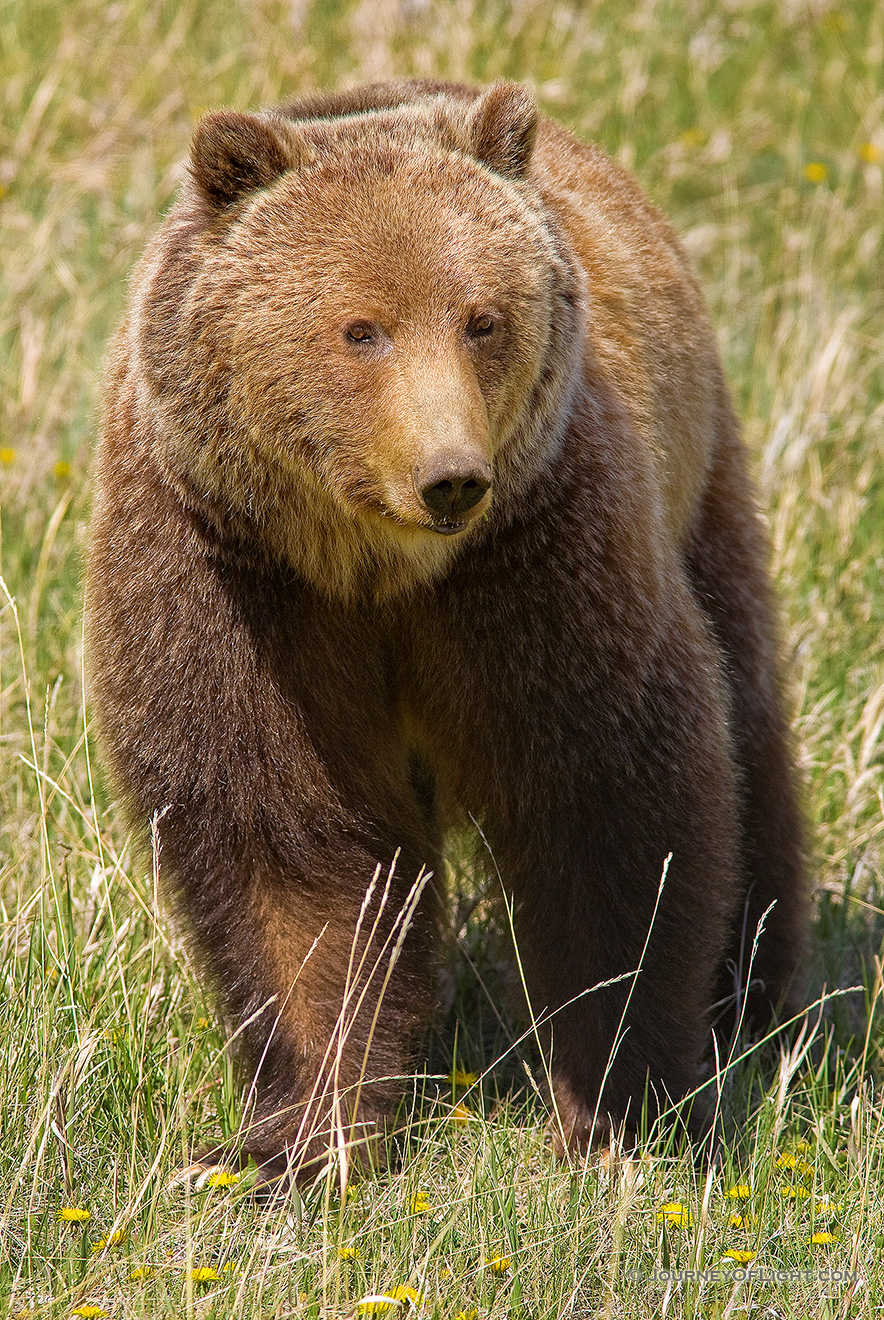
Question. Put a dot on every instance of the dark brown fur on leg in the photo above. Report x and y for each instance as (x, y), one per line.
(727, 560)
(278, 904)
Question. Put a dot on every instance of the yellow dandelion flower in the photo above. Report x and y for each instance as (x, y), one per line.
(822, 1239)
(61, 470)
(202, 1024)
(7, 456)
(673, 1212)
(348, 1253)
(741, 1257)
(376, 1304)
(804, 1146)
(798, 1193)
(460, 1114)
(420, 1204)
(204, 1274)
(112, 1240)
(73, 1214)
(815, 172)
(742, 1221)
(498, 1264)
(143, 1272)
(229, 1266)
(89, 1312)
(828, 1207)
(223, 1179)
(787, 1161)
(870, 153)
(741, 1192)
(402, 1293)
(457, 1077)
(472, 1314)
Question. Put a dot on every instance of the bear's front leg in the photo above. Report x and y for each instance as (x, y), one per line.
(205, 676)
(623, 866)
(325, 977)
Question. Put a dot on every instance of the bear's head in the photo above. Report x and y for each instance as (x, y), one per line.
(355, 335)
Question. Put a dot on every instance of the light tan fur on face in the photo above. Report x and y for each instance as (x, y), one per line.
(431, 407)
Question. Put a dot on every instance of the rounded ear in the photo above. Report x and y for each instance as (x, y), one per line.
(234, 154)
(503, 126)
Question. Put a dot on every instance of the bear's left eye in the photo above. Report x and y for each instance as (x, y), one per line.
(480, 326)
(359, 333)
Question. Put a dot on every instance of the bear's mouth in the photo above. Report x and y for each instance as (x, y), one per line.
(447, 528)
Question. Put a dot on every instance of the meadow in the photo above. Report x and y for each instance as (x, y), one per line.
(759, 128)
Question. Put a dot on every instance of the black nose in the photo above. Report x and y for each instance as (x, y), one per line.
(451, 492)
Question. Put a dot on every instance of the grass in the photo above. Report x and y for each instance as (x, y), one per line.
(759, 127)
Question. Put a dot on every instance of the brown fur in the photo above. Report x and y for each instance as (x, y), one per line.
(309, 684)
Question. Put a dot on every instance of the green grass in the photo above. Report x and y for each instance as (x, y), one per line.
(113, 1062)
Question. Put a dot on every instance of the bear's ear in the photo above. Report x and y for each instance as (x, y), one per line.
(503, 126)
(234, 154)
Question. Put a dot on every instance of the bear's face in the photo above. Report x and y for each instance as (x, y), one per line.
(366, 342)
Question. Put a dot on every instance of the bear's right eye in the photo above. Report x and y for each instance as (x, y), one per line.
(359, 333)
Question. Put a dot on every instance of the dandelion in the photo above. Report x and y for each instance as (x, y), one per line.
(348, 1253)
(61, 470)
(73, 1214)
(89, 1312)
(202, 1024)
(223, 1179)
(815, 172)
(741, 1221)
(7, 456)
(673, 1212)
(460, 1114)
(828, 1207)
(798, 1193)
(378, 1303)
(420, 1204)
(741, 1192)
(741, 1257)
(870, 153)
(112, 1240)
(143, 1272)
(472, 1314)
(457, 1077)
(205, 1274)
(786, 1161)
(822, 1239)
(498, 1264)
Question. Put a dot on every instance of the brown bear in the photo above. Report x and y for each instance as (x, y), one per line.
(420, 504)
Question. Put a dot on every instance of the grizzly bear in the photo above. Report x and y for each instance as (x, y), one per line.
(421, 505)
